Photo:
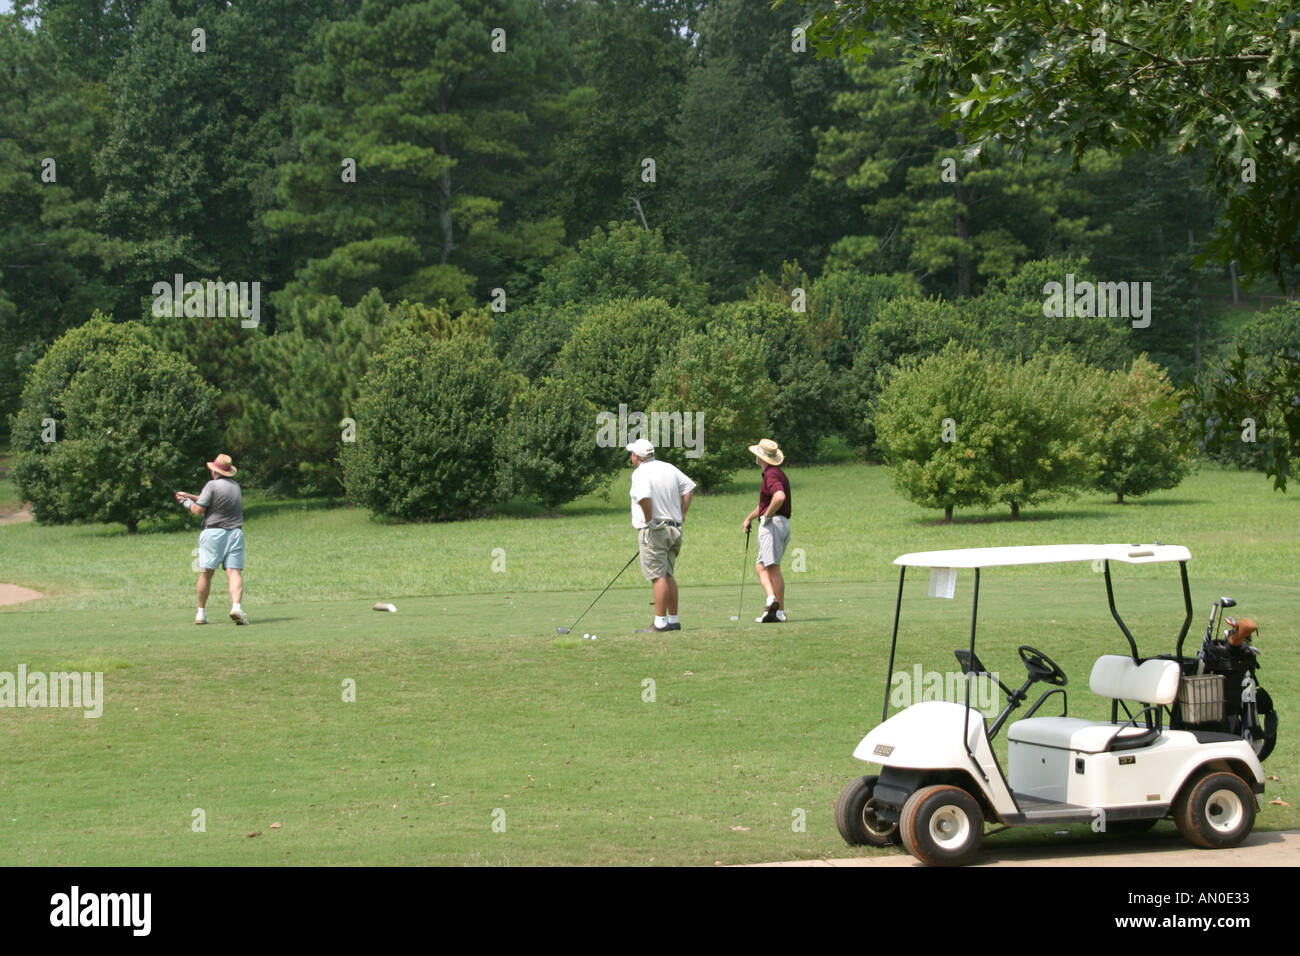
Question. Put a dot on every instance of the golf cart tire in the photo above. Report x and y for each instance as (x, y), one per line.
(1215, 811)
(856, 820)
(942, 825)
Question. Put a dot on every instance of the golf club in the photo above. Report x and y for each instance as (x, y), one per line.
(109, 435)
(744, 572)
(566, 630)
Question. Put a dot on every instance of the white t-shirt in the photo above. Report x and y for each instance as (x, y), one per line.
(664, 485)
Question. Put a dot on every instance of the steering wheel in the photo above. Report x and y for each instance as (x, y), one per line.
(1041, 667)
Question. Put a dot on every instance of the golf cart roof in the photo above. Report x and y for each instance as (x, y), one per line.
(1044, 554)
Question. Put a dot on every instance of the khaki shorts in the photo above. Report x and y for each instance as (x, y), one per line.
(660, 545)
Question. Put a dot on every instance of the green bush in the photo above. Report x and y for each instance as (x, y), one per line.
(528, 340)
(221, 349)
(622, 261)
(310, 372)
(903, 327)
(718, 375)
(962, 429)
(617, 346)
(1140, 444)
(1010, 322)
(549, 450)
(805, 406)
(428, 414)
(855, 300)
(162, 416)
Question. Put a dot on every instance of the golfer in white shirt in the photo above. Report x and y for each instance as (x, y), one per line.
(661, 496)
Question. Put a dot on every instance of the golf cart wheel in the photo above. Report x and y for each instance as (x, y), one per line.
(855, 816)
(942, 826)
(1215, 811)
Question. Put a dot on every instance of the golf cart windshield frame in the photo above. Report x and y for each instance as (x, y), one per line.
(978, 558)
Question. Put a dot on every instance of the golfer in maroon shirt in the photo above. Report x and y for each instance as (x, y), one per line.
(773, 514)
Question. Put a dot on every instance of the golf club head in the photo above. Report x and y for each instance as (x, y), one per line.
(561, 630)
(734, 618)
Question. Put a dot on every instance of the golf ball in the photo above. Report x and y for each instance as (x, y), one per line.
(586, 637)
(593, 637)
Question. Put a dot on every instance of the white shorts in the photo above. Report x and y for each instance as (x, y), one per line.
(773, 536)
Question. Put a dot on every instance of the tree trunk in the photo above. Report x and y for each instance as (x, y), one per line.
(947, 513)
(1015, 510)
(132, 525)
(1119, 497)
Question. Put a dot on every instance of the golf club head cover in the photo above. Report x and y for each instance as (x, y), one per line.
(1240, 631)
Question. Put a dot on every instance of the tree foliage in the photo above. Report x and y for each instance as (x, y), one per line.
(617, 346)
(428, 415)
(549, 450)
(1120, 76)
(439, 126)
(963, 429)
(621, 261)
(1140, 445)
(718, 377)
(162, 417)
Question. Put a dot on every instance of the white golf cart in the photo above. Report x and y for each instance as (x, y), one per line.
(940, 779)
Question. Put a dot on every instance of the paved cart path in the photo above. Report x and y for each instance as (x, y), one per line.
(1274, 848)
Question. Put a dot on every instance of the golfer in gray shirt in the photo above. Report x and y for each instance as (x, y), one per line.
(221, 542)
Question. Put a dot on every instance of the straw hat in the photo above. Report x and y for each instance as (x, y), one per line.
(768, 451)
(222, 465)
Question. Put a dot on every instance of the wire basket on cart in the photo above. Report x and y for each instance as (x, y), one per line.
(1201, 699)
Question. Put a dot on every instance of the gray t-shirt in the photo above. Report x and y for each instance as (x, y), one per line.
(224, 503)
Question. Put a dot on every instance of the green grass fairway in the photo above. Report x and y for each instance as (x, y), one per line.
(480, 736)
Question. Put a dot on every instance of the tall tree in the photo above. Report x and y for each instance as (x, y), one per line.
(1040, 75)
(930, 212)
(415, 147)
(740, 199)
(52, 256)
(200, 119)
(629, 61)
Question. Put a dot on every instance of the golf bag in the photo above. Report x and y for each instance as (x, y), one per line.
(1220, 693)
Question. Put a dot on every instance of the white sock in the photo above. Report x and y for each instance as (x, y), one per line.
(236, 607)
(202, 613)
(771, 599)
(672, 619)
(661, 621)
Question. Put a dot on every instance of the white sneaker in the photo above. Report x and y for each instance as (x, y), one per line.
(780, 616)
(238, 616)
(200, 619)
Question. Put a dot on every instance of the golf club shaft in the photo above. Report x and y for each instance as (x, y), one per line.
(744, 572)
(607, 587)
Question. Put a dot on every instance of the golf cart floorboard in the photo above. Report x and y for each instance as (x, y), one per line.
(1037, 810)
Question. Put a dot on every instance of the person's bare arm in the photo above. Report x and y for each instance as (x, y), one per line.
(190, 503)
(686, 503)
(645, 508)
(778, 499)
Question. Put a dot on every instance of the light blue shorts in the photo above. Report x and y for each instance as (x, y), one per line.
(221, 547)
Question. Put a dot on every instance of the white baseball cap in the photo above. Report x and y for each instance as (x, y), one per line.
(642, 448)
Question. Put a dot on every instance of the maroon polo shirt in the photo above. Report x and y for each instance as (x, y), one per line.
(774, 480)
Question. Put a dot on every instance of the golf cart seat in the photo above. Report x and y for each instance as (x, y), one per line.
(1154, 684)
